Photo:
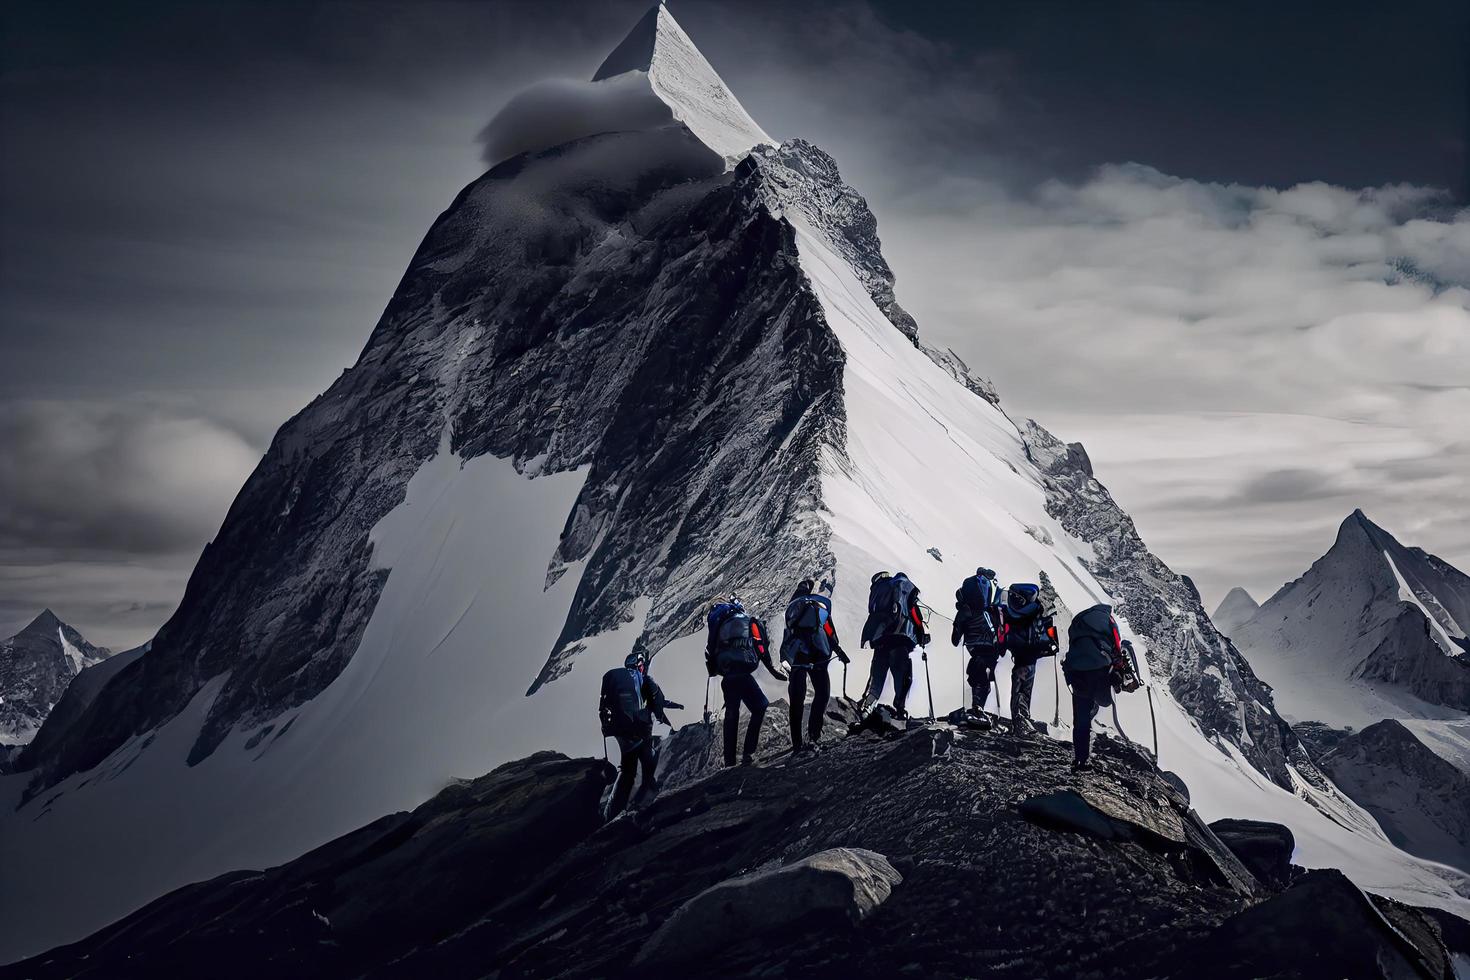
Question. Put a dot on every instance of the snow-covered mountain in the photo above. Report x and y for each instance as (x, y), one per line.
(36, 665)
(1237, 607)
(1372, 630)
(622, 375)
(1372, 637)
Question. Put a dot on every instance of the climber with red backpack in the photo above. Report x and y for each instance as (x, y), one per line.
(807, 647)
(736, 646)
(1028, 635)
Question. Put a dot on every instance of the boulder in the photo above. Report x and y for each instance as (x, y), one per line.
(840, 884)
(1264, 848)
(1323, 926)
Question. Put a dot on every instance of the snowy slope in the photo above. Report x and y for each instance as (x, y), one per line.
(621, 377)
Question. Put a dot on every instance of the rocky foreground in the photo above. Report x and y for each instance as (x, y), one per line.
(928, 851)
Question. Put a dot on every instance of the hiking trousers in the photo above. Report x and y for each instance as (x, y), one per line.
(742, 689)
(980, 669)
(1091, 690)
(1023, 678)
(891, 656)
(636, 753)
(821, 691)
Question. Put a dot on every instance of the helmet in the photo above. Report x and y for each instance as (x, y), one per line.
(985, 572)
(635, 661)
(877, 577)
(805, 586)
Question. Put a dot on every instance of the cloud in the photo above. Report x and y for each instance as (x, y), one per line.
(558, 111)
(88, 478)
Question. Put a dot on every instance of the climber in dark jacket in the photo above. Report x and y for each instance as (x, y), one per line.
(807, 647)
(1028, 635)
(629, 703)
(895, 625)
(736, 646)
(1094, 654)
(977, 624)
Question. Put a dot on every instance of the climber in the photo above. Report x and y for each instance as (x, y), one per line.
(735, 648)
(977, 625)
(630, 701)
(808, 645)
(1027, 634)
(1094, 656)
(893, 628)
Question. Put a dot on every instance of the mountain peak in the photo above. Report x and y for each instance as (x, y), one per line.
(47, 622)
(685, 81)
(1237, 607)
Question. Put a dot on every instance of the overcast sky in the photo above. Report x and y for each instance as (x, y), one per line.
(1219, 244)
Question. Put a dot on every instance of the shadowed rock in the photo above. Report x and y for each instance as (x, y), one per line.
(837, 885)
(1264, 848)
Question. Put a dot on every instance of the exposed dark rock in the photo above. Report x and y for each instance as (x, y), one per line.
(1264, 848)
(1421, 800)
(1203, 670)
(363, 899)
(1323, 928)
(36, 666)
(1319, 738)
(506, 876)
(839, 885)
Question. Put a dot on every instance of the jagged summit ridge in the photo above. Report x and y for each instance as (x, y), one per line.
(36, 665)
(681, 76)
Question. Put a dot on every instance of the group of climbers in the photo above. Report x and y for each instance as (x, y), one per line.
(990, 622)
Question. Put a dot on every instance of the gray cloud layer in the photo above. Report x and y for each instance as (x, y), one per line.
(206, 207)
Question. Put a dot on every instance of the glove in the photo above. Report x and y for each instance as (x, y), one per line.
(780, 674)
(842, 655)
(1116, 680)
(924, 639)
(956, 635)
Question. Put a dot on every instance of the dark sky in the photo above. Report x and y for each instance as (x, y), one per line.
(206, 205)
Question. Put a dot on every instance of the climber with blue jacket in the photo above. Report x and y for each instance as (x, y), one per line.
(627, 707)
(736, 646)
(807, 647)
(977, 624)
(895, 625)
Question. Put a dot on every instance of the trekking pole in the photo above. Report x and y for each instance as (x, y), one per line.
(1056, 687)
(1153, 721)
(844, 681)
(927, 682)
(706, 699)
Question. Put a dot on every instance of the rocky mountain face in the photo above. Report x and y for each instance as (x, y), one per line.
(1421, 801)
(1203, 669)
(1237, 607)
(869, 859)
(36, 665)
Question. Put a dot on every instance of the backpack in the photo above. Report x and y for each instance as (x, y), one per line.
(976, 603)
(889, 601)
(1029, 635)
(1090, 639)
(621, 706)
(806, 626)
(735, 643)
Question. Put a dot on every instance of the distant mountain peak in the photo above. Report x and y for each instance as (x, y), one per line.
(46, 622)
(36, 665)
(1236, 608)
(685, 81)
